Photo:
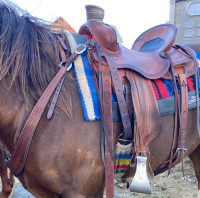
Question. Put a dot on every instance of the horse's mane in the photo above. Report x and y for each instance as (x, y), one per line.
(29, 52)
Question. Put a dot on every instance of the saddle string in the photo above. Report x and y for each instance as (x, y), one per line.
(177, 110)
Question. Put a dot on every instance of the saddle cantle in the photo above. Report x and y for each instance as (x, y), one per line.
(160, 39)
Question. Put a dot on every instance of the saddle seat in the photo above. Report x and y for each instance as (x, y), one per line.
(141, 58)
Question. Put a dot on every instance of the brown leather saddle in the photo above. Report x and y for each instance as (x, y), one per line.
(146, 49)
(152, 56)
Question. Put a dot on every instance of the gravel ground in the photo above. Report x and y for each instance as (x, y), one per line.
(174, 186)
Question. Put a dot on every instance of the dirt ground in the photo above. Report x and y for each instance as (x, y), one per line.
(174, 186)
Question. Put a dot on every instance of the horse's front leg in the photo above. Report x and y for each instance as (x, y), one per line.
(6, 189)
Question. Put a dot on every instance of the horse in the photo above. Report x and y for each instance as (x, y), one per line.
(64, 159)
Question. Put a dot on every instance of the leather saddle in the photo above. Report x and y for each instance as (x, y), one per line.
(145, 56)
(152, 56)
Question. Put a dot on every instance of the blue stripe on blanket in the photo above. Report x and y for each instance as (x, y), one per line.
(85, 81)
(91, 85)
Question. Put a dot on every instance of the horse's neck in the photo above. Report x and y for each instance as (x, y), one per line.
(13, 113)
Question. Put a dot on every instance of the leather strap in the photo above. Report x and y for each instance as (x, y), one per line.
(62, 42)
(107, 110)
(105, 101)
(55, 98)
(177, 112)
(184, 113)
(62, 47)
(18, 159)
(191, 53)
(128, 132)
(178, 156)
(181, 110)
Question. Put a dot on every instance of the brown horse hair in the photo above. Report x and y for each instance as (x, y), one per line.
(29, 52)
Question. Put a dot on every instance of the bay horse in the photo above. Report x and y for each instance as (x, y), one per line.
(64, 159)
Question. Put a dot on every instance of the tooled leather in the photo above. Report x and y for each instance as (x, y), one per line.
(146, 110)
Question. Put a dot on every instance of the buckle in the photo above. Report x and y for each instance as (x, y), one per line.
(80, 51)
(176, 75)
(69, 67)
(61, 63)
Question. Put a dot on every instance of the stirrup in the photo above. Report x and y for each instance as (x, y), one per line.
(143, 179)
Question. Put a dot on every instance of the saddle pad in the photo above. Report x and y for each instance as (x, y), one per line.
(85, 80)
(163, 89)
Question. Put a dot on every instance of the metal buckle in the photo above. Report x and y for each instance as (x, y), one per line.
(60, 64)
(178, 149)
(84, 47)
(69, 67)
(176, 75)
(163, 54)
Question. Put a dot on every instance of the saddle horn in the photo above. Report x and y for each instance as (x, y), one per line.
(94, 13)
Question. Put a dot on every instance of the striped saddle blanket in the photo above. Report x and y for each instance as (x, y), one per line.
(163, 90)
